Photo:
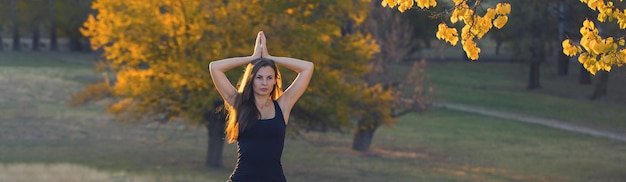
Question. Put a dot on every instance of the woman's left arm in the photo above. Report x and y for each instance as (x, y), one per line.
(304, 69)
(299, 85)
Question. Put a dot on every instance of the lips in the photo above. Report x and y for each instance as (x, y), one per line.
(264, 89)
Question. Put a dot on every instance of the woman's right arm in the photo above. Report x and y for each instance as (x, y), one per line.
(218, 69)
(223, 85)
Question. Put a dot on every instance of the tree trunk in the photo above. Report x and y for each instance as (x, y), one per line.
(563, 62)
(363, 136)
(16, 39)
(16, 31)
(215, 145)
(538, 53)
(54, 45)
(215, 129)
(601, 86)
(75, 44)
(584, 77)
(36, 38)
(363, 139)
(498, 46)
(533, 75)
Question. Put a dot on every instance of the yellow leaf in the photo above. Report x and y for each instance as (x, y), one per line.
(588, 24)
(491, 13)
(471, 50)
(450, 35)
(424, 3)
(500, 21)
(503, 8)
(568, 48)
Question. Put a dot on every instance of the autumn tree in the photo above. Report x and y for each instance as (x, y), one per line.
(475, 25)
(403, 90)
(594, 51)
(156, 54)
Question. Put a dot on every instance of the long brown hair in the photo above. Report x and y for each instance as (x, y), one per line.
(243, 113)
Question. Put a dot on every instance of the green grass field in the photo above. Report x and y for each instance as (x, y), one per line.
(502, 86)
(38, 132)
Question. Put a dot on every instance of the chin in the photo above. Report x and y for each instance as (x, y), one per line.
(263, 93)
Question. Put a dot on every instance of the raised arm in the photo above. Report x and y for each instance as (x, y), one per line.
(218, 69)
(298, 86)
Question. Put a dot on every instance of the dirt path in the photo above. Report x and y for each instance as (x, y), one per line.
(535, 120)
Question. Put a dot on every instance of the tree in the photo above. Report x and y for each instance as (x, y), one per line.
(157, 52)
(28, 16)
(570, 15)
(34, 19)
(534, 34)
(563, 60)
(475, 26)
(67, 21)
(399, 96)
(595, 52)
(423, 23)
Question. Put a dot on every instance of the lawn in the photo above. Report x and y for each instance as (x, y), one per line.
(501, 85)
(38, 131)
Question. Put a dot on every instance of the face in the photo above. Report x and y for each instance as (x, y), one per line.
(264, 81)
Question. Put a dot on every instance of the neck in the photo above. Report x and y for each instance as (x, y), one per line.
(261, 101)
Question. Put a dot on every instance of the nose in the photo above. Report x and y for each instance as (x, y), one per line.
(264, 82)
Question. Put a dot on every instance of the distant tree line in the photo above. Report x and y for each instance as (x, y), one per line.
(37, 25)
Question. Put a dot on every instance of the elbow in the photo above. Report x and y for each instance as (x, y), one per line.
(310, 66)
(211, 66)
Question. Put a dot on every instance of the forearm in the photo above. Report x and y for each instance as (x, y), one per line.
(294, 64)
(229, 63)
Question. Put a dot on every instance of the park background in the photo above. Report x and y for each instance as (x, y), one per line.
(388, 101)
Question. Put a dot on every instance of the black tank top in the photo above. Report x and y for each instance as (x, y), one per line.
(259, 149)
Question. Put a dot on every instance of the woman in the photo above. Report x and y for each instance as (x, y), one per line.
(259, 110)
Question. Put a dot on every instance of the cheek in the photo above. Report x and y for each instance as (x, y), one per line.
(254, 83)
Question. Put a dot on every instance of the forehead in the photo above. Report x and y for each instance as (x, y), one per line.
(265, 71)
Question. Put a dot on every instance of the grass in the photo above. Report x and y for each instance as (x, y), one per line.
(501, 86)
(47, 59)
(506, 149)
(440, 145)
(496, 83)
(37, 128)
